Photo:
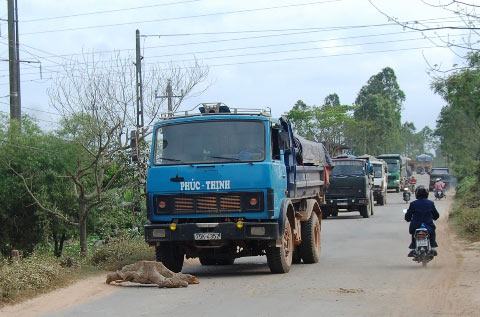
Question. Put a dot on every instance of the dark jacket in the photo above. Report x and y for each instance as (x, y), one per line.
(421, 211)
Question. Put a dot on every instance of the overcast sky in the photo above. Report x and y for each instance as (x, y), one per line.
(275, 75)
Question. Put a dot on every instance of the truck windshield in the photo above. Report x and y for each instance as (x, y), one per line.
(393, 166)
(345, 168)
(210, 142)
(439, 171)
(377, 171)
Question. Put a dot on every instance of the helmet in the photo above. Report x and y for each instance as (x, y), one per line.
(438, 179)
(421, 192)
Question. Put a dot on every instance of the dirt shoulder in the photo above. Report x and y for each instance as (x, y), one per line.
(82, 291)
(450, 285)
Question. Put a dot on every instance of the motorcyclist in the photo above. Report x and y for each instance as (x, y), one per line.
(412, 182)
(422, 211)
(439, 185)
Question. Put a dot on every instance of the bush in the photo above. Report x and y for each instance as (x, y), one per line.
(26, 277)
(121, 251)
(469, 222)
(466, 209)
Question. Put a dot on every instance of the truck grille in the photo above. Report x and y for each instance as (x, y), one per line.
(210, 203)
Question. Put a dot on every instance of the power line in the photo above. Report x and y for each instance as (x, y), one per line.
(271, 52)
(299, 58)
(285, 51)
(231, 39)
(288, 32)
(322, 56)
(108, 11)
(182, 17)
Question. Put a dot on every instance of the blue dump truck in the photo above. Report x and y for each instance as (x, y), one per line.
(226, 183)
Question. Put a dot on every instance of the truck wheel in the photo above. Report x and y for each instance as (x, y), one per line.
(397, 190)
(381, 200)
(334, 212)
(325, 212)
(364, 212)
(280, 258)
(370, 204)
(296, 259)
(311, 243)
(171, 256)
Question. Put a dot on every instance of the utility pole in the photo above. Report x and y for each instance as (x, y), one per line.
(139, 84)
(14, 65)
(169, 95)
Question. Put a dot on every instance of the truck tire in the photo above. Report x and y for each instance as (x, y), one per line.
(296, 259)
(381, 200)
(171, 256)
(370, 204)
(397, 190)
(334, 212)
(311, 242)
(364, 211)
(279, 259)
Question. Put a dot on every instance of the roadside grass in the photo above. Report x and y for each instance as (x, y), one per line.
(465, 212)
(41, 272)
(121, 251)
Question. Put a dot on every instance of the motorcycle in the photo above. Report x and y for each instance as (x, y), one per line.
(439, 194)
(423, 252)
(406, 194)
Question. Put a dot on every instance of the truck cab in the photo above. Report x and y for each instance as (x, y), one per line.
(350, 187)
(223, 184)
(439, 172)
(380, 181)
(397, 170)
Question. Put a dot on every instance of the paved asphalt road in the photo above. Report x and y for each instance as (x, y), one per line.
(363, 271)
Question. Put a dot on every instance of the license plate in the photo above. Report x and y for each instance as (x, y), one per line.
(422, 243)
(342, 204)
(208, 236)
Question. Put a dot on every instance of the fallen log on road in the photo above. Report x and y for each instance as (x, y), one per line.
(151, 272)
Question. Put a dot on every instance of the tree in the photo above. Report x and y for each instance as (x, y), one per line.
(458, 125)
(378, 114)
(96, 100)
(327, 123)
(23, 224)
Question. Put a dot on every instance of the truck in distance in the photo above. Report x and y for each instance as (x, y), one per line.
(350, 188)
(226, 183)
(397, 170)
(439, 172)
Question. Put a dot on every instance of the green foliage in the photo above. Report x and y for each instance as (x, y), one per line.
(26, 277)
(458, 125)
(120, 251)
(327, 123)
(378, 115)
(466, 209)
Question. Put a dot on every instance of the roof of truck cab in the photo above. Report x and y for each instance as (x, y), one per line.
(215, 117)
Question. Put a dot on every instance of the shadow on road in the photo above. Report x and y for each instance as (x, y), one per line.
(235, 270)
(344, 217)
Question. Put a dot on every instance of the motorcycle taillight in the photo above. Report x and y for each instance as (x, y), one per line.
(421, 235)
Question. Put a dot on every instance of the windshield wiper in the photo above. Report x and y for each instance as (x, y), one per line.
(168, 159)
(226, 158)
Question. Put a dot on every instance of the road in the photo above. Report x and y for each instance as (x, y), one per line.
(363, 271)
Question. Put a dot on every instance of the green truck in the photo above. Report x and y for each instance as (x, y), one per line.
(397, 170)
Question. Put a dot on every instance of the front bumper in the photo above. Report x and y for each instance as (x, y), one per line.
(346, 202)
(228, 230)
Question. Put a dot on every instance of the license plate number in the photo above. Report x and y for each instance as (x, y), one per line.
(422, 243)
(207, 236)
(342, 204)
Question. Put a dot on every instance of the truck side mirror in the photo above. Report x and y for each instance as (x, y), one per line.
(284, 140)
